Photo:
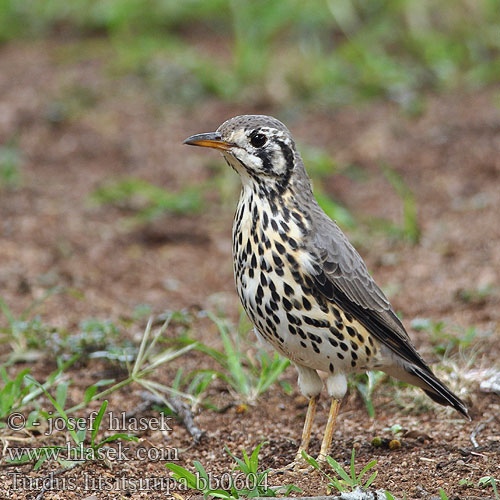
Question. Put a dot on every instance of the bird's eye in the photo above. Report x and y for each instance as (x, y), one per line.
(258, 140)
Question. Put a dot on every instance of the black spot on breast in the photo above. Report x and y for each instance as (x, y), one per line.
(274, 225)
(277, 260)
(287, 304)
(281, 249)
(301, 333)
(333, 342)
(286, 213)
(353, 363)
(253, 262)
(367, 350)
(331, 368)
(307, 304)
(291, 259)
(336, 312)
(260, 250)
(303, 344)
(315, 348)
(315, 338)
(340, 355)
(318, 323)
(279, 271)
(348, 317)
(354, 356)
(270, 324)
(265, 220)
(351, 331)
(344, 347)
(339, 325)
(293, 244)
(251, 273)
(360, 338)
(293, 319)
(263, 280)
(287, 289)
(337, 334)
(354, 345)
(370, 340)
(260, 292)
(284, 226)
(292, 330)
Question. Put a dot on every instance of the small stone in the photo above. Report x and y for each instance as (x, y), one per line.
(395, 444)
(241, 408)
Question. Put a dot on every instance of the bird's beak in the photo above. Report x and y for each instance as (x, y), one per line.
(208, 140)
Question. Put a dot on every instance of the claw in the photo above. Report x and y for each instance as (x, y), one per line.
(298, 465)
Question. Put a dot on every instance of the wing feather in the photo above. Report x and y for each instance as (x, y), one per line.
(341, 276)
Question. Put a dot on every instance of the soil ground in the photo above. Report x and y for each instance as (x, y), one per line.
(51, 235)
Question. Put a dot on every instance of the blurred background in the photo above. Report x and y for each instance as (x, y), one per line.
(106, 218)
(97, 96)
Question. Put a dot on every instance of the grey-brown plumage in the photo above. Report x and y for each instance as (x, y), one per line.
(303, 285)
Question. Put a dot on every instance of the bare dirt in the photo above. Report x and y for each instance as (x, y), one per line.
(51, 235)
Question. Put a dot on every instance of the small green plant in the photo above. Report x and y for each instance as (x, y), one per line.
(442, 494)
(247, 375)
(69, 455)
(146, 362)
(195, 384)
(10, 164)
(394, 429)
(366, 383)
(20, 391)
(477, 295)
(446, 338)
(13, 391)
(253, 484)
(410, 229)
(489, 481)
(147, 200)
(344, 482)
(26, 333)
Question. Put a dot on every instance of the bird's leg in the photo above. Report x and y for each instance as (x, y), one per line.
(327, 437)
(306, 431)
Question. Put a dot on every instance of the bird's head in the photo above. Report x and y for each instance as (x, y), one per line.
(260, 148)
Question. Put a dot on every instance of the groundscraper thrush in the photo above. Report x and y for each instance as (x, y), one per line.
(303, 285)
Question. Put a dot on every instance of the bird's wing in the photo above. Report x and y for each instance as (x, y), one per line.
(340, 275)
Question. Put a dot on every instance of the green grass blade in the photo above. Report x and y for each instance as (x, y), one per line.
(97, 422)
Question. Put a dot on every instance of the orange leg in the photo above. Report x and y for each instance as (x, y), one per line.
(306, 431)
(327, 438)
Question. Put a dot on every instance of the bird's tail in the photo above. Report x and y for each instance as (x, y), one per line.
(422, 377)
(436, 390)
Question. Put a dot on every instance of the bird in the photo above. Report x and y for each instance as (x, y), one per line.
(304, 287)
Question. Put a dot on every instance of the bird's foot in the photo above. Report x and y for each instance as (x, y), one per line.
(298, 465)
